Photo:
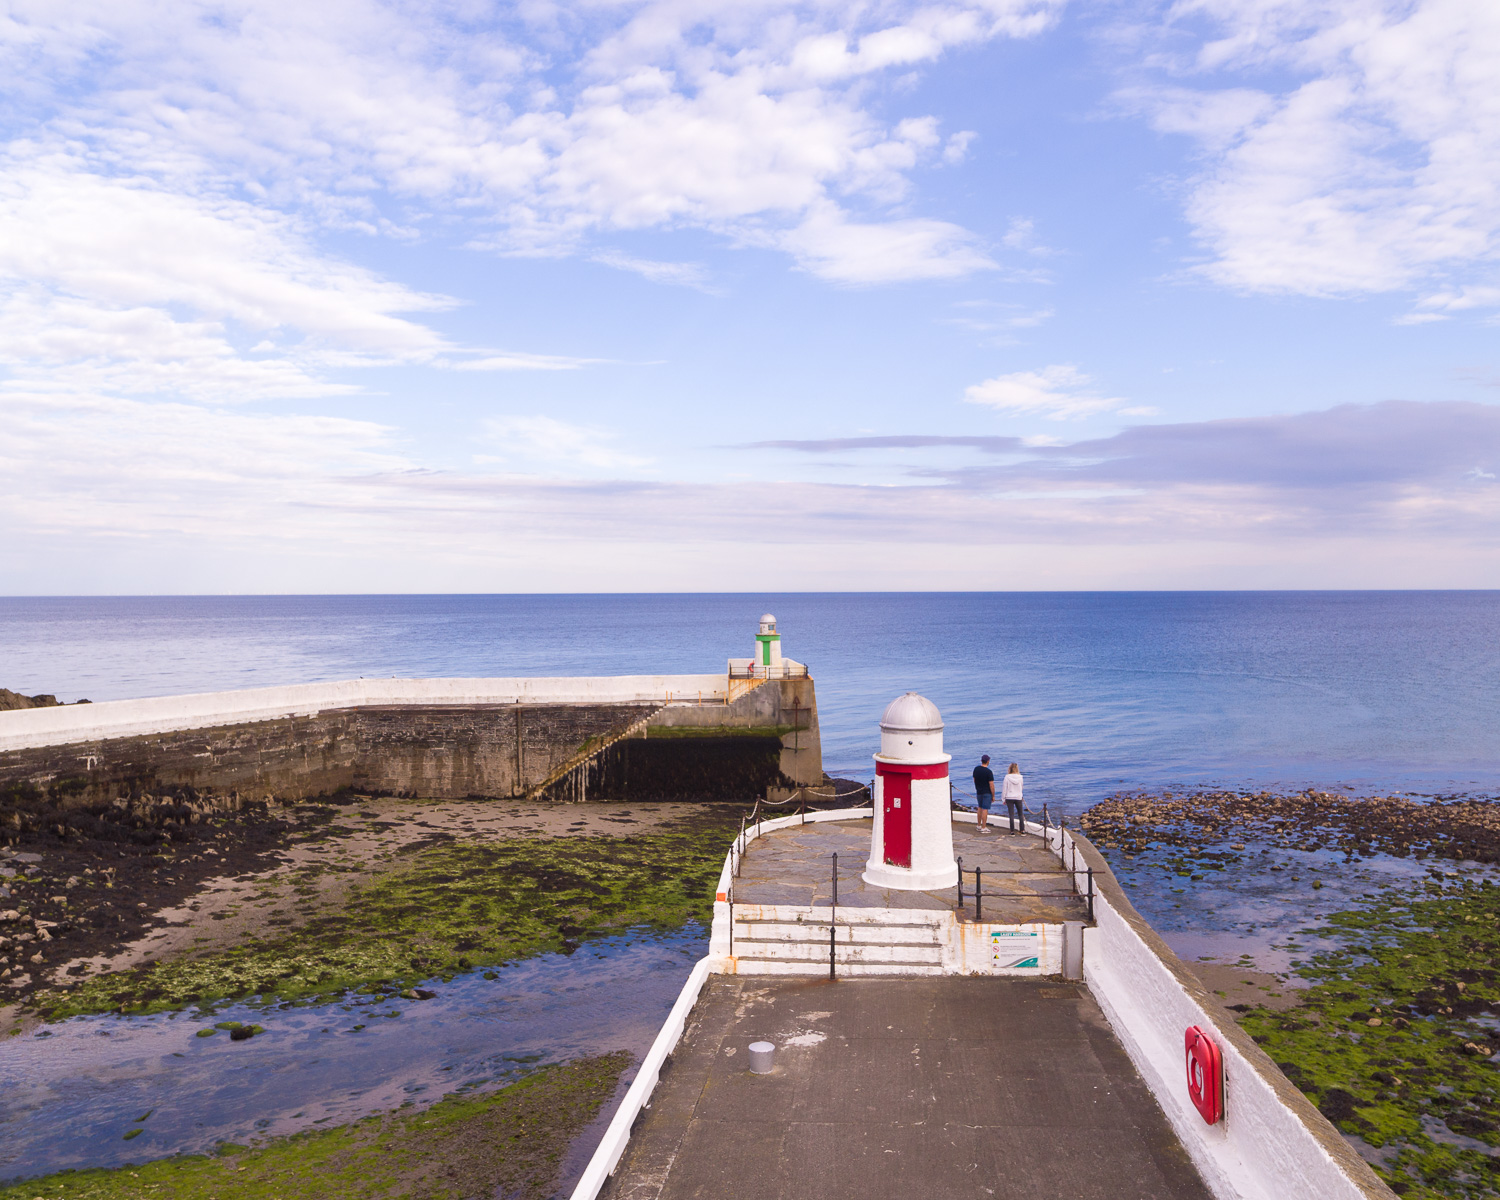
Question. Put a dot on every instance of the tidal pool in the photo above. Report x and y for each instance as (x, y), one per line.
(72, 1091)
(1257, 907)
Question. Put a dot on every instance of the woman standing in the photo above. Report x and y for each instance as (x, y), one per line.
(1011, 794)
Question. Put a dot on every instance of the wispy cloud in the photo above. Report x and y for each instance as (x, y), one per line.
(517, 361)
(1059, 393)
(1347, 148)
(530, 443)
(989, 445)
(120, 469)
(675, 274)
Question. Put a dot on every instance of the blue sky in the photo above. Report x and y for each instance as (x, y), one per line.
(695, 296)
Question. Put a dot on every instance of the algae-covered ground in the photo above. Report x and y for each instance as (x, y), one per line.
(509, 1143)
(438, 910)
(1396, 1040)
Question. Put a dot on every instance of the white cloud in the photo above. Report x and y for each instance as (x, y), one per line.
(526, 442)
(173, 172)
(1059, 393)
(1377, 168)
(835, 248)
(676, 274)
(516, 361)
(650, 114)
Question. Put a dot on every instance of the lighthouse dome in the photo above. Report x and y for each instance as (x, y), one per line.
(911, 713)
(767, 623)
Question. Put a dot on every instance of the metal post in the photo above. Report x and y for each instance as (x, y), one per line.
(960, 883)
(1091, 893)
(833, 914)
(1046, 822)
(978, 890)
(731, 920)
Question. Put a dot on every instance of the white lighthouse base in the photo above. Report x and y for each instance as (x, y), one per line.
(904, 879)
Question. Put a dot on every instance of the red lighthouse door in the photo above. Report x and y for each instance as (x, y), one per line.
(896, 818)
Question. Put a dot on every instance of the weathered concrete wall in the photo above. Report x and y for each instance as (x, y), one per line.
(448, 751)
(767, 738)
(786, 709)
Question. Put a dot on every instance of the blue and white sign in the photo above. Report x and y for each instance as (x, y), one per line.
(1016, 949)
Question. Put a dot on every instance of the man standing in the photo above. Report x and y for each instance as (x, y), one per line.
(984, 791)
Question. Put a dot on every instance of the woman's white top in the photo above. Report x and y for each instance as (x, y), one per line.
(1011, 788)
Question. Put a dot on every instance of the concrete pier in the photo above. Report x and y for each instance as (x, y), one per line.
(944, 1088)
(1022, 879)
(709, 737)
(929, 1067)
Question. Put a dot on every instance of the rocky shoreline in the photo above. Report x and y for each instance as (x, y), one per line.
(1445, 827)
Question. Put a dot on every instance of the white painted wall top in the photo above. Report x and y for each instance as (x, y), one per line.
(24, 728)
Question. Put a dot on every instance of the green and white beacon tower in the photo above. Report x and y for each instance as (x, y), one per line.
(767, 662)
(768, 648)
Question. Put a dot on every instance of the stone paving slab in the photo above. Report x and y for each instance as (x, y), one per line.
(794, 866)
(939, 1088)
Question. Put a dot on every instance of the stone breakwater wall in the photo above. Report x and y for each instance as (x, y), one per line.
(431, 738)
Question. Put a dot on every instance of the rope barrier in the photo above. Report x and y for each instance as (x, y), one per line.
(803, 793)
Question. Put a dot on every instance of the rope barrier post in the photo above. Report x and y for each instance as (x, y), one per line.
(960, 883)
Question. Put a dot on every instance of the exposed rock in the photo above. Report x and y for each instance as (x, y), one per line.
(10, 700)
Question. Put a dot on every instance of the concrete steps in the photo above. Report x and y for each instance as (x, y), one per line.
(884, 944)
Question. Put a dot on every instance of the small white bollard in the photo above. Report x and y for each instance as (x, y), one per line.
(1072, 950)
(761, 1054)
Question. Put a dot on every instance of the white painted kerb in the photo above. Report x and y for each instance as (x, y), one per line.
(28, 727)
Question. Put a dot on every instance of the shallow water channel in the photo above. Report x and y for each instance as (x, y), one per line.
(1257, 910)
(72, 1091)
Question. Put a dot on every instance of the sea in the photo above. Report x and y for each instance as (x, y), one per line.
(1091, 694)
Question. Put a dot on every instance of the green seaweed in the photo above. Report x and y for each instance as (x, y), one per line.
(1393, 1042)
(453, 907)
(510, 1142)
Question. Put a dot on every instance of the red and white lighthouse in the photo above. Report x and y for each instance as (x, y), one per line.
(912, 846)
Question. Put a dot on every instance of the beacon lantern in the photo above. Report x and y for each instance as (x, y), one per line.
(911, 846)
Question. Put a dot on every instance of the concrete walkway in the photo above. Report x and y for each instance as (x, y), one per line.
(935, 1088)
(1023, 881)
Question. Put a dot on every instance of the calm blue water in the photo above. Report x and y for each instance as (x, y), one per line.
(1090, 693)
